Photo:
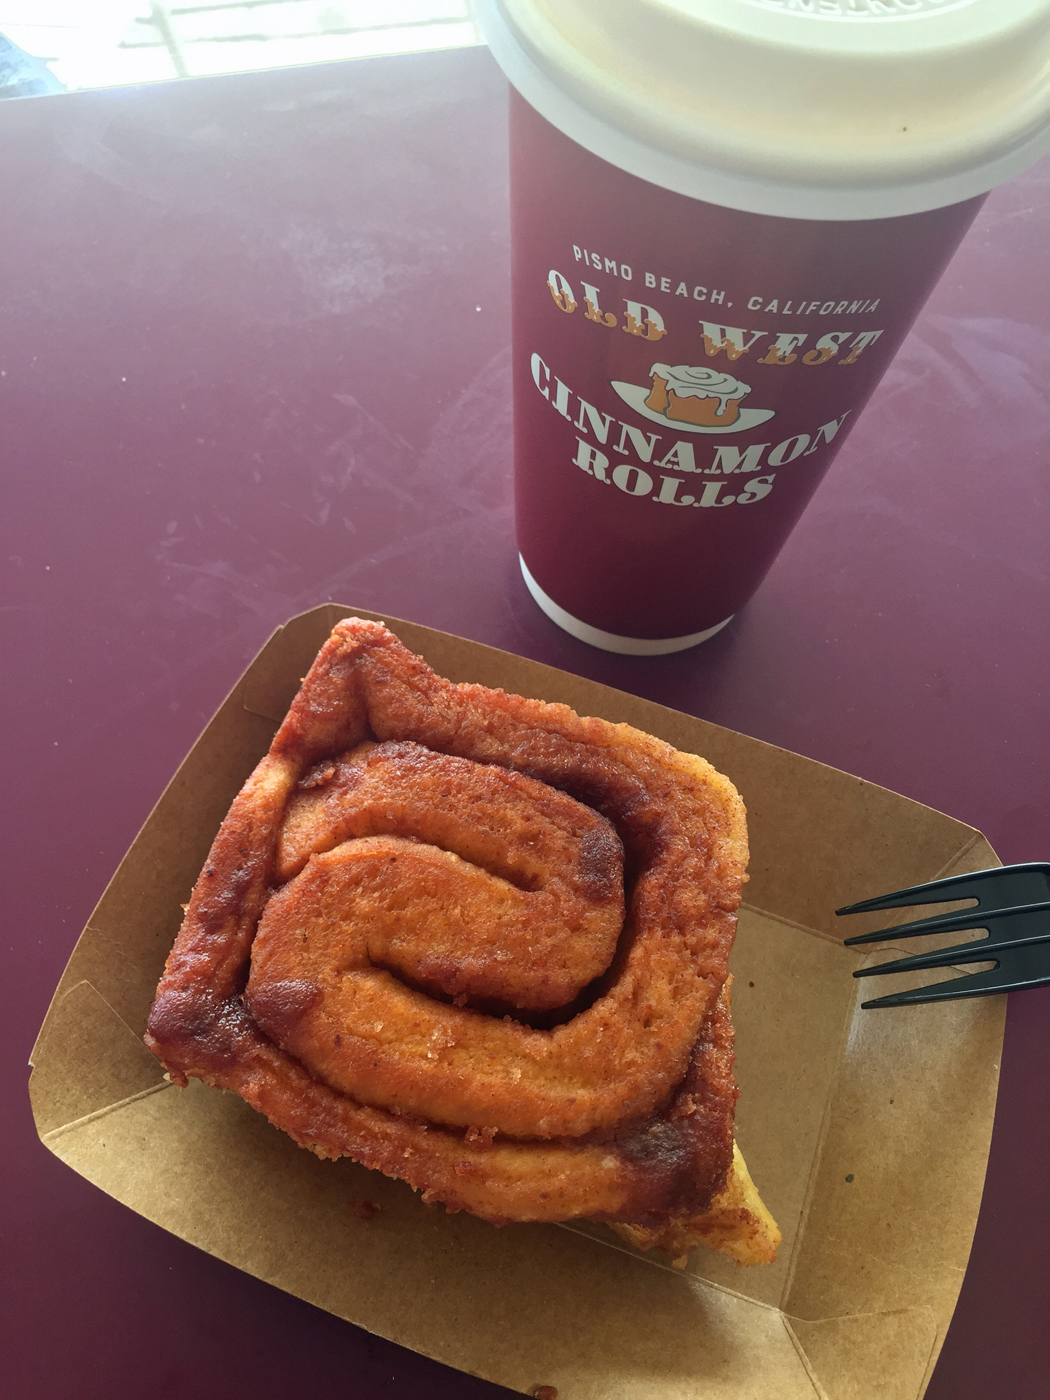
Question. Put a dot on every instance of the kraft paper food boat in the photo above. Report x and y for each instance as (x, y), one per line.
(867, 1133)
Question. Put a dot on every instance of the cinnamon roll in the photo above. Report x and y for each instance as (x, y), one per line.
(479, 943)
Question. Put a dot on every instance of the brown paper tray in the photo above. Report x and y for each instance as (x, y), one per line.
(867, 1132)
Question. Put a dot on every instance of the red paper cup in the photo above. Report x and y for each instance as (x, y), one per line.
(687, 368)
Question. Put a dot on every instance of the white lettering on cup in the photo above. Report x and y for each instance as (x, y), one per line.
(680, 458)
(709, 496)
(861, 343)
(827, 431)
(561, 291)
(730, 459)
(756, 489)
(781, 352)
(643, 443)
(727, 338)
(826, 348)
(592, 310)
(788, 450)
(590, 460)
(599, 421)
(644, 320)
(537, 367)
(632, 479)
(669, 492)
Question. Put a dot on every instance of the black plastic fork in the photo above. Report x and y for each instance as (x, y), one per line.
(1013, 905)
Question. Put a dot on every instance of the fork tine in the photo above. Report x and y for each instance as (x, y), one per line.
(1007, 884)
(983, 950)
(1020, 963)
(947, 923)
(978, 984)
(1008, 929)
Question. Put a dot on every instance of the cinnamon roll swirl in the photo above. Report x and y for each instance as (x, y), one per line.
(479, 943)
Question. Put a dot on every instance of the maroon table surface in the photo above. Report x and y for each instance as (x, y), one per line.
(254, 355)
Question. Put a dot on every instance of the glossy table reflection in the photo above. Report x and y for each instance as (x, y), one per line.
(254, 356)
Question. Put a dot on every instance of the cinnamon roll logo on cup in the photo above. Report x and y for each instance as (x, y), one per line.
(766, 190)
(692, 394)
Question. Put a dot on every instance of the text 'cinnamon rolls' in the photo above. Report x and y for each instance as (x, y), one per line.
(478, 943)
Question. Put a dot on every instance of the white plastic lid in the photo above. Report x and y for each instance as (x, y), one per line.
(821, 109)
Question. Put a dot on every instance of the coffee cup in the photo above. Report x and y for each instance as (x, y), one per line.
(726, 215)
